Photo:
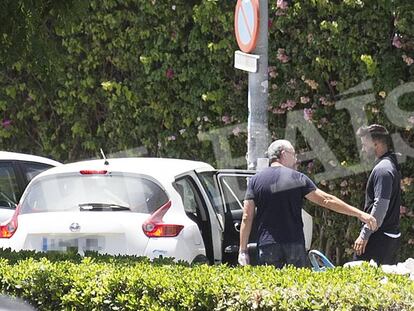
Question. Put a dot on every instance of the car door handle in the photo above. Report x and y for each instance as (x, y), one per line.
(237, 226)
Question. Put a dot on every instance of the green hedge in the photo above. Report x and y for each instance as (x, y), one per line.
(127, 283)
(148, 77)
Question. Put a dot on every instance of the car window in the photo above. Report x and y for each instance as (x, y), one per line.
(191, 198)
(32, 169)
(208, 181)
(94, 193)
(234, 189)
(9, 189)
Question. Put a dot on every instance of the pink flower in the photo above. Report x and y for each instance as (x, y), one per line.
(281, 4)
(272, 72)
(281, 56)
(408, 60)
(304, 99)
(324, 101)
(292, 83)
(308, 114)
(411, 241)
(290, 104)
(403, 210)
(270, 23)
(6, 123)
(225, 119)
(312, 83)
(411, 120)
(169, 73)
(333, 83)
(172, 137)
(236, 131)
(271, 68)
(396, 41)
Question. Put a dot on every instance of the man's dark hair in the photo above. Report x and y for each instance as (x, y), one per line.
(377, 133)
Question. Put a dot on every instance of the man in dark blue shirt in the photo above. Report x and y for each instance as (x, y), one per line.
(278, 192)
(382, 199)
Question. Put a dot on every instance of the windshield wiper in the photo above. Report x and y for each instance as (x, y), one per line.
(103, 207)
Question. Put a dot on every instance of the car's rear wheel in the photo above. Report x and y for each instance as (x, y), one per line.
(200, 259)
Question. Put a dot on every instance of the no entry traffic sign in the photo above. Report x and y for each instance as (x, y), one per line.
(246, 24)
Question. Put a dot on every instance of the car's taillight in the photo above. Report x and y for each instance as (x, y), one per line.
(154, 226)
(93, 172)
(8, 229)
(161, 230)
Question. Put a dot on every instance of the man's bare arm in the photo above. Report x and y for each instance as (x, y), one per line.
(246, 225)
(331, 202)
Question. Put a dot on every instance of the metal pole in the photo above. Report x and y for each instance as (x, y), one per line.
(257, 123)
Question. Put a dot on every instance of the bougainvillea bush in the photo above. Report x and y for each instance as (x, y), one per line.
(156, 78)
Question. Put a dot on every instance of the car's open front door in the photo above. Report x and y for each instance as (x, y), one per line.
(233, 186)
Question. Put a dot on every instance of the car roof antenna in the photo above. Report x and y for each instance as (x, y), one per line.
(103, 155)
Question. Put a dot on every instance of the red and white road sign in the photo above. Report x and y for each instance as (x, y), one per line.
(246, 24)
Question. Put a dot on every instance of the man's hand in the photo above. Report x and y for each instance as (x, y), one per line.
(360, 245)
(369, 220)
(244, 259)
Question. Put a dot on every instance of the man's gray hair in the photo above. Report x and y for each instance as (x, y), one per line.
(276, 147)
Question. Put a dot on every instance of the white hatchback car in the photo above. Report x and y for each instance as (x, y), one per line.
(138, 206)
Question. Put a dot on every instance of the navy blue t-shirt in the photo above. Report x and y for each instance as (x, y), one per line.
(278, 193)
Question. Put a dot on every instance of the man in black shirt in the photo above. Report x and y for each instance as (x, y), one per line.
(382, 199)
(278, 192)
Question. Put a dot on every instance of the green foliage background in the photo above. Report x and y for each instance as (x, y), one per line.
(146, 77)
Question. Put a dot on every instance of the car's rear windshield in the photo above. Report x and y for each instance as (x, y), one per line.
(94, 193)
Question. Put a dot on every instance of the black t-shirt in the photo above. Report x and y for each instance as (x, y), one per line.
(384, 185)
(278, 193)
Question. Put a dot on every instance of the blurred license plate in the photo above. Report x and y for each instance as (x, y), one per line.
(64, 244)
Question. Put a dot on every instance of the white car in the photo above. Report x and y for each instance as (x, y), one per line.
(16, 171)
(138, 206)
